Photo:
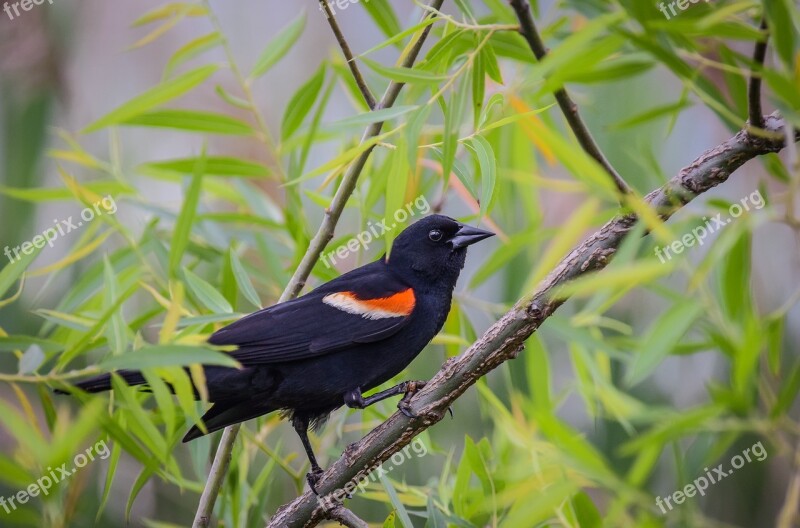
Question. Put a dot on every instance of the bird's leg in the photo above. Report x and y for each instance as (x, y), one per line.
(300, 424)
(356, 400)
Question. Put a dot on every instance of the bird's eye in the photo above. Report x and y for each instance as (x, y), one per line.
(435, 235)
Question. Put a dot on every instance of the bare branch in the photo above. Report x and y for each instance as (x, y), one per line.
(325, 232)
(348, 55)
(568, 107)
(345, 517)
(219, 468)
(754, 88)
(324, 235)
(505, 339)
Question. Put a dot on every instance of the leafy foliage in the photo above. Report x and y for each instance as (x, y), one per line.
(475, 131)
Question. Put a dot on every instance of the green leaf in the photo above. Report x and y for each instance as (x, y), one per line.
(375, 116)
(488, 166)
(662, 337)
(404, 75)
(185, 221)
(279, 46)
(383, 15)
(301, 103)
(158, 95)
(586, 512)
(243, 280)
(191, 50)
(212, 166)
(168, 356)
(14, 270)
(191, 120)
(781, 29)
(169, 10)
(400, 509)
(207, 294)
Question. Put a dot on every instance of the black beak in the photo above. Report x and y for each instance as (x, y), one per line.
(468, 235)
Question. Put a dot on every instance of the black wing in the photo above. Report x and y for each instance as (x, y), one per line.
(323, 321)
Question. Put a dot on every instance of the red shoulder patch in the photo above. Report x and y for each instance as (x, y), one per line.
(400, 304)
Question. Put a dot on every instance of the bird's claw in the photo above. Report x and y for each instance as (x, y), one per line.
(404, 407)
(412, 387)
(312, 477)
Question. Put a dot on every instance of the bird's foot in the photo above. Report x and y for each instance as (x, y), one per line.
(404, 405)
(312, 477)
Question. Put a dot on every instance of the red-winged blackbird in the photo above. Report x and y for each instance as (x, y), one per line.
(309, 356)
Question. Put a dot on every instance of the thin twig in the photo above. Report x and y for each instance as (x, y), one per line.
(345, 517)
(568, 107)
(324, 235)
(348, 55)
(325, 232)
(219, 468)
(505, 339)
(754, 89)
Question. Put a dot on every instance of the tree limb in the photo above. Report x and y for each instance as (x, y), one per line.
(568, 107)
(505, 338)
(754, 86)
(324, 235)
(348, 55)
(345, 517)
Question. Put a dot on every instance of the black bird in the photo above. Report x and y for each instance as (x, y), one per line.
(309, 356)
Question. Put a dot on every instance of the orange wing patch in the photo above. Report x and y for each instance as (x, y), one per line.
(400, 304)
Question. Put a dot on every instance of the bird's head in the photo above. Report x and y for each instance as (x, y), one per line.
(434, 248)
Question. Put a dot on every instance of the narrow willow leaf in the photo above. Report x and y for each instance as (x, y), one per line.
(158, 95)
(191, 50)
(170, 10)
(382, 14)
(405, 75)
(54, 194)
(488, 166)
(243, 280)
(400, 509)
(213, 166)
(168, 356)
(301, 103)
(662, 337)
(185, 221)
(279, 46)
(396, 182)
(375, 116)
(191, 120)
(399, 36)
(14, 270)
(207, 294)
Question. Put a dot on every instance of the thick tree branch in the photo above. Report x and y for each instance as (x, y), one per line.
(348, 55)
(324, 235)
(754, 87)
(565, 102)
(506, 338)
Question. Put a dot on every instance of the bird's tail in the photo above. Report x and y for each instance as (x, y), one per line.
(103, 381)
(225, 413)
